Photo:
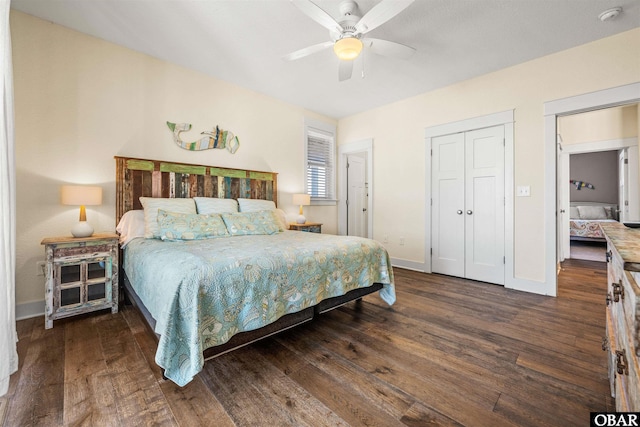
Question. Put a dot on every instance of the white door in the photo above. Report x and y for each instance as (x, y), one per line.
(468, 205)
(623, 199)
(447, 231)
(356, 196)
(484, 205)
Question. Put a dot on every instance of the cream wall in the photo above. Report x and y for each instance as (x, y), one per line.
(79, 101)
(600, 125)
(400, 163)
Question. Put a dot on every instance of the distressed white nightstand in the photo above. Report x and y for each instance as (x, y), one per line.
(81, 275)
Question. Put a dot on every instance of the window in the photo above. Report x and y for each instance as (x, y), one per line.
(320, 161)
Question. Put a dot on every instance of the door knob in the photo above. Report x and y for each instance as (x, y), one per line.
(459, 212)
(469, 212)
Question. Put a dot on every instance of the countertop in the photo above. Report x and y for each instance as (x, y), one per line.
(626, 241)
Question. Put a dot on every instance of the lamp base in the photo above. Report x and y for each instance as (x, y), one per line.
(301, 219)
(82, 229)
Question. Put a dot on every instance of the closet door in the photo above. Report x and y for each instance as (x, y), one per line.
(467, 231)
(447, 231)
(484, 205)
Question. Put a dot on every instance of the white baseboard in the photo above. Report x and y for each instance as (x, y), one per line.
(409, 265)
(28, 310)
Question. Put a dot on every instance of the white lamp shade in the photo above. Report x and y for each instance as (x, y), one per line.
(301, 199)
(80, 195)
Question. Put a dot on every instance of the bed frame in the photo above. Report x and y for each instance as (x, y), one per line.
(156, 178)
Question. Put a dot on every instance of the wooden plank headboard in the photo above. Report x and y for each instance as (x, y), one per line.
(159, 178)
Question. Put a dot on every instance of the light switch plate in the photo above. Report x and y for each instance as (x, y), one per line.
(524, 191)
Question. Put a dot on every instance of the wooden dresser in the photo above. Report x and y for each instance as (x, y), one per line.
(623, 311)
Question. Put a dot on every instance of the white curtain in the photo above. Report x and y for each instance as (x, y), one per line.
(8, 335)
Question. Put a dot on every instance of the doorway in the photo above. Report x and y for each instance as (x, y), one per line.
(355, 187)
(598, 150)
(617, 96)
(357, 195)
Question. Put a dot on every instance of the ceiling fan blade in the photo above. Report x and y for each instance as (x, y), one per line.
(309, 50)
(387, 48)
(345, 70)
(381, 13)
(314, 12)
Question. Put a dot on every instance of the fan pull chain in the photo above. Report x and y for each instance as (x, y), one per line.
(363, 55)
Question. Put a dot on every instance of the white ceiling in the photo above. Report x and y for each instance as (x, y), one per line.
(243, 41)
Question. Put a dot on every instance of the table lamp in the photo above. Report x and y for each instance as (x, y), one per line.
(80, 195)
(301, 200)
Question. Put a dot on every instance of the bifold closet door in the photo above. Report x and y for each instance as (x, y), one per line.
(484, 205)
(468, 205)
(447, 192)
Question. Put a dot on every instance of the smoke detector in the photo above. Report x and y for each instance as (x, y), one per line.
(610, 14)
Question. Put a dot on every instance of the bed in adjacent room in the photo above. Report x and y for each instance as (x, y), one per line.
(211, 266)
(585, 219)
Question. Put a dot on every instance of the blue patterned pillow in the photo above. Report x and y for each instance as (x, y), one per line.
(248, 223)
(180, 226)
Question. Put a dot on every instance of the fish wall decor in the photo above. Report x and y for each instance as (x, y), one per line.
(218, 138)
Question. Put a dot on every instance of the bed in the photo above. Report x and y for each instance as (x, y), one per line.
(585, 219)
(208, 288)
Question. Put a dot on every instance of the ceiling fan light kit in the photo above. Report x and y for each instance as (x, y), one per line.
(347, 48)
(347, 32)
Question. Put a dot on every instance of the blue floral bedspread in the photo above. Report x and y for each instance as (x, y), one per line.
(203, 292)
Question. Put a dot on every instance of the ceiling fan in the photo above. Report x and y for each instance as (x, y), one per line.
(347, 33)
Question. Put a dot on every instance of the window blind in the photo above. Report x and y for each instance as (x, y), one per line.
(320, 164)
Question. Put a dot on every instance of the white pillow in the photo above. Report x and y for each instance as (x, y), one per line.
(151, 206)
(592, 212)
(253, 205)
(211, 205)
(573, 212)
(131, 225)
(282, 219)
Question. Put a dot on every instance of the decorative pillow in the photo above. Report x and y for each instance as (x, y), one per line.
(151, 206)
(573, 212)
(131, 225)
(209, 205)
(248, 223)
(592, 212)
(253, 205)
(610, 211)
(180, 226)
(281, 216)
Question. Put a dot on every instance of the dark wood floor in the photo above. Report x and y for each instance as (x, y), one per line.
(449, 352)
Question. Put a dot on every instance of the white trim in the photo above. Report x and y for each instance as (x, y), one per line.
(28, 310)
(622, 95)
(550, 243)
(470, 124)
(505, 118)
(592, 147)
(613, 97)
(408, 265)
(364, 146)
